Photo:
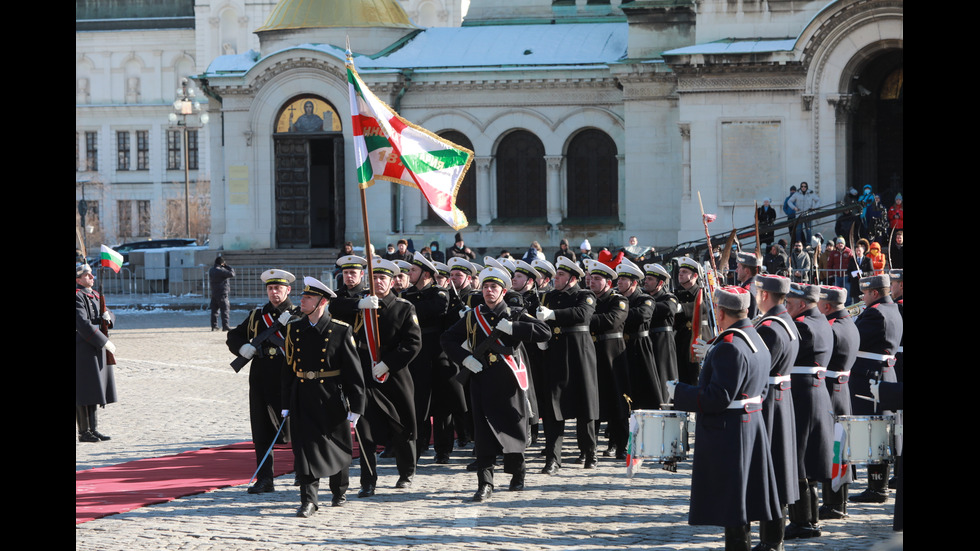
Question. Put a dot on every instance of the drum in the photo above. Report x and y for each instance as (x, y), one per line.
(661, 435)
(870, 439)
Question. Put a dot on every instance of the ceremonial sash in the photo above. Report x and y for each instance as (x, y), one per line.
(516, 365)
(269, 322)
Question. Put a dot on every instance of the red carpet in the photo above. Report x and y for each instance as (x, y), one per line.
(109, 490)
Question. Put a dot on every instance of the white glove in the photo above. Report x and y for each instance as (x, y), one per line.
(545, 314)
(246, 351)
(285, 413)
(466, 346)
(284, 318)
(462, 313)
(671, 389)
(506, 326)
(368, 303)
(700, 348)
(473, 364)
(875, 391)
(379, 370)
(543, 345)
(107, 316)
(856, 273)
(353, 417)
(110, 348)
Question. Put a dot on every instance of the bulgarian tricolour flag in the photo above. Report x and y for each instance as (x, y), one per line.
(111, 258)
(387, 147)
(839, 475)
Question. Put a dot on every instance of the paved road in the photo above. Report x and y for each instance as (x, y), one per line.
(178, 393)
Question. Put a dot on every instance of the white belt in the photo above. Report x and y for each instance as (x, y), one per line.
(740, 404)
(900, 350)
(779, 379)
(873, 356)
(836, 374)
(806, 370)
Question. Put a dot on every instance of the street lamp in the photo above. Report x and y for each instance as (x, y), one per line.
(184, 106)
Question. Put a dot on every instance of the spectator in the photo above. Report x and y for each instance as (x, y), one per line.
(219, 276)
(389, 252)
(504, 254)
(837, 263)
(338, 272)
(823, 274)
(896, 250)
(878, 261)
(775, 261)
(459, 249)
(803, 201)
(564, 251)
(859, 266)
(586, 251)
(896, 214)
(635, 251)
(799, 263)
(534, 252)
(767, 217)
(402, 252)
(790, 212)
(436, 252)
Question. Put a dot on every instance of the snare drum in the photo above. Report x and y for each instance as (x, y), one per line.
(661, 435)
(870, 439)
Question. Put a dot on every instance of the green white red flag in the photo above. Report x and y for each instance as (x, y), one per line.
(388, 147)
(111, 259)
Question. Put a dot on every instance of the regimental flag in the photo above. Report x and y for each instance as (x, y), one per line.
(839, 474)
(388, 147)
(111, 258)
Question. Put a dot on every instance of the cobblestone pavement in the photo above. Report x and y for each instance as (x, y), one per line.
(178, 393)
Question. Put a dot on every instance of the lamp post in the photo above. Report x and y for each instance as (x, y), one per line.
(185, 106)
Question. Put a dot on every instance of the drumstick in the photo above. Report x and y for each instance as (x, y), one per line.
(868, 398)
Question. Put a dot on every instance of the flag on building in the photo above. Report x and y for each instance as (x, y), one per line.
(387, 147)
(111, 258)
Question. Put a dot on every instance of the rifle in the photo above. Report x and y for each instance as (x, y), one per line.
(239, 362)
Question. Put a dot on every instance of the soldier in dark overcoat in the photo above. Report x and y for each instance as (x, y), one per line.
(781, 336)
(95, 382)
(606, 327)
(688, 290)
(665, 306)
(570, 364)
(881, 327)
(645, 388)
(499, 380)
(847, 340)
(265, 371)
(390, 413)
(811, 401)
(732, 482)
(322, 393)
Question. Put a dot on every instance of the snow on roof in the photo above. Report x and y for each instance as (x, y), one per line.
(736, 47)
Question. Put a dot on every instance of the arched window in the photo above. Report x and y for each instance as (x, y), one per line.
(466, 196)
(521, 177)
(593, 176)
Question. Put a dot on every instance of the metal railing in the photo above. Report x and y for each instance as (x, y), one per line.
(193, 281)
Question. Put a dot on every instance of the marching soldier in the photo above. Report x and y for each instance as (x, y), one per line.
(732, 482)
(499, 381)
(881, 328)
(431, 304)
(746, 268)
(777, 330)
(546, 273)
(352, 270)
(523, 283)
(646, 389)
(814, 413)
(665, 305)
(461, 276)
(898, 295)
(390, 411)
(688, 291)
(442, 274)
(570, 365)
(402, 278)
(267, 365)
(606, 326)
(846, 343)
(323, 392)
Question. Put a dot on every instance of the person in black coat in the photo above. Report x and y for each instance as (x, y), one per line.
(389, 416)
(732, 482)
(219, 278)
(267, 363)
(767, 217)
(95, 382)
(645, 388)
(499, 379)
(323, 394)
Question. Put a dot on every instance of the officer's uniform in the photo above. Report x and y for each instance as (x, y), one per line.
(646, 390)
(687, 365)
(606, 327)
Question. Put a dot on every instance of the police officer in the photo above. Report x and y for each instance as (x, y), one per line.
(570, 365)
(499, 381)
(323, 393)
(268, 363)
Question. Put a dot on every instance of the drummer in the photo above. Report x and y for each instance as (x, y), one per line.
(733, 482)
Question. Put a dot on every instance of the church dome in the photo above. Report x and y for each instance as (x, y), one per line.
(319, 14)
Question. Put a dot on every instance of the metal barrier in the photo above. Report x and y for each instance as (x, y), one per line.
(193, 281)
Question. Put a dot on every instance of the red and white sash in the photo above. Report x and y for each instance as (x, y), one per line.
(516, 364)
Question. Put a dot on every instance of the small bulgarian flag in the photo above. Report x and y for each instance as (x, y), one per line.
(839, 474)
(111, 258)
(632, 461)
(388, 147)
